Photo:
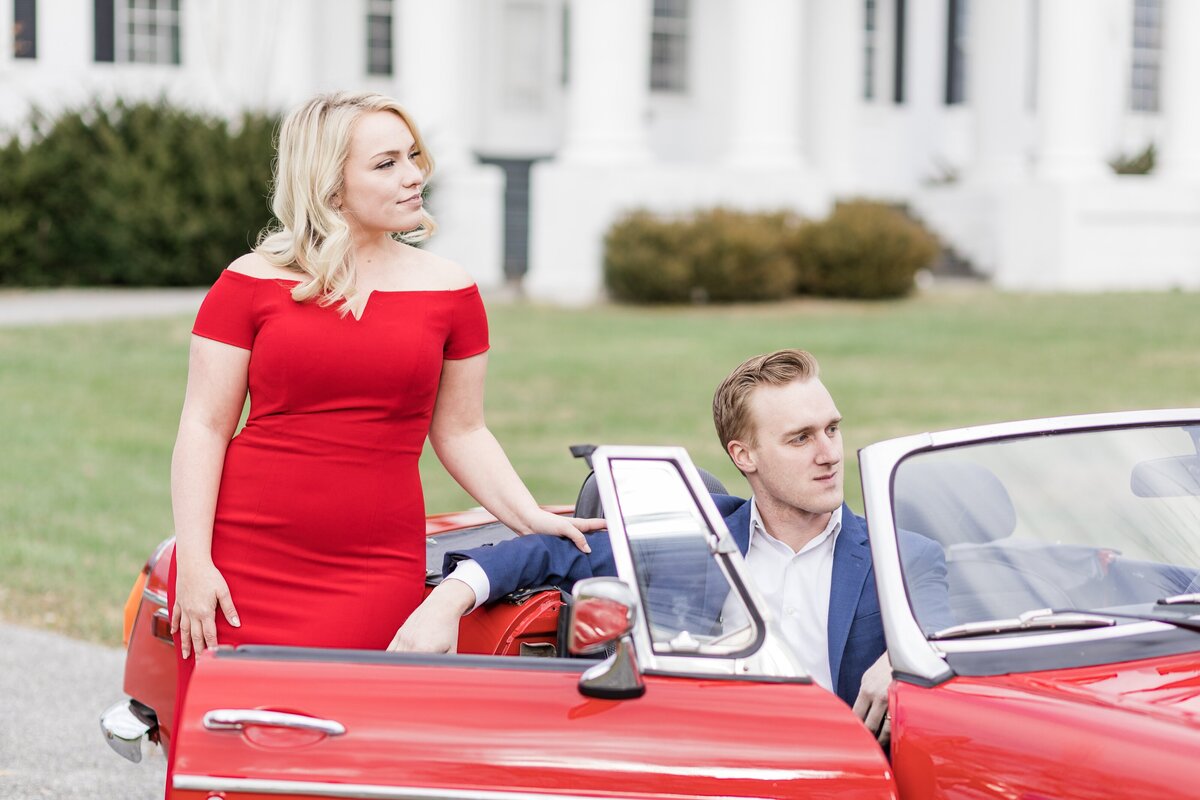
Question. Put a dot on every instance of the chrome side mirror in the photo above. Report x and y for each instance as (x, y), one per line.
(603, 615)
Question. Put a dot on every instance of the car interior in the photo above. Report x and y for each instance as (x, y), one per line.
(992, 574)
(531, 622)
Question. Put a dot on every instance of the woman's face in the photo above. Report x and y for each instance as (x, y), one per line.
(381, 191)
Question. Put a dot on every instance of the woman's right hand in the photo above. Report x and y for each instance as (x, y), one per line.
(198, 593)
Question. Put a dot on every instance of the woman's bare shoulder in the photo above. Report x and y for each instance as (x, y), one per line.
(441, 273)
(256, 266)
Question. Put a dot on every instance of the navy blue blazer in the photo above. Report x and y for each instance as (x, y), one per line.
(855, 629)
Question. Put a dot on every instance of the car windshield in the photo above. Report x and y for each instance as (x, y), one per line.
(1104, 521)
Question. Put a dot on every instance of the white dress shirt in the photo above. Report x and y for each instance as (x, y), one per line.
(469, 572)
(795, 586)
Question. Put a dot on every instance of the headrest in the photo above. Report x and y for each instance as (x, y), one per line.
(587, 505)
(952, 502)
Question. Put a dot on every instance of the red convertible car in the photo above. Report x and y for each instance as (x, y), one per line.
(1071, 669)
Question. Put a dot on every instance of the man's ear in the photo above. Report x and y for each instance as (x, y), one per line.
(742, 455)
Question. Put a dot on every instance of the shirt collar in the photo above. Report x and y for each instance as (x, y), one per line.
(832, 528)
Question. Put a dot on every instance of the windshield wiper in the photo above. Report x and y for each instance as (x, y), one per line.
(1180, 599)
(1042, 619)
(1047, 619)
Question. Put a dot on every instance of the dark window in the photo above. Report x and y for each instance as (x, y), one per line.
(898, 63)
(379, 37)
(1147, 56)
(956, 52)
(669, 46)
(105, 28)
(870, 46)
(24, 29)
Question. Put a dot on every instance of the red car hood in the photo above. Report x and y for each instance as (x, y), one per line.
(1164, 688)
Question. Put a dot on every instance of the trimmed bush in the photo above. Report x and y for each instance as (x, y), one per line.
(739, 256)
(716, 255)
(132, 194)
(645, 260)
(1141, 163)
(863, 249)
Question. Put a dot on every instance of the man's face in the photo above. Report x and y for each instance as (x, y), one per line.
(796, 456)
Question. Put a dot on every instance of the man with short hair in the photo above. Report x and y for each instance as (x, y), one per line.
(805, 551)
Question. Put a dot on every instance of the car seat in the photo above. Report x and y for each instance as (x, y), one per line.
(965, 508)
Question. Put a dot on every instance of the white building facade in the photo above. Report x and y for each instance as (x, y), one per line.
(994, 120)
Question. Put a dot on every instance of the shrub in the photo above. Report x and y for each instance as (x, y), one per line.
(1141, 163)
(132, 194)
(863, 250)
(645, 260)
(717, 255)
(741, 256)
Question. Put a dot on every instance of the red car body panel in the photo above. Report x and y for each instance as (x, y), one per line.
(1052, 734)
(496, 629)
(524, 729)
(150, 670)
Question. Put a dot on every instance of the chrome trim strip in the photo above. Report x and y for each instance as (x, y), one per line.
(154, 597)
(365, 791)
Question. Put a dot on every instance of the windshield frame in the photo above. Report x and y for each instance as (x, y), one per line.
(930, 662)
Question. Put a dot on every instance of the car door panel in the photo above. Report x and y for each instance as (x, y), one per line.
(418, 726)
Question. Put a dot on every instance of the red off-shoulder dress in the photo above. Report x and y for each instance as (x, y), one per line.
(320, 519)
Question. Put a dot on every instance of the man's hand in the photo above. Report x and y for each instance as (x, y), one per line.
(871, 705)
(433, 626)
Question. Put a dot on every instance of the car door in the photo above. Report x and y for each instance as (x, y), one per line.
(716, 714)
(1071, 664)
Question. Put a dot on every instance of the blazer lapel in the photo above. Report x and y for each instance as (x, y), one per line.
(851, 563)
(716, 590)
(739, 526)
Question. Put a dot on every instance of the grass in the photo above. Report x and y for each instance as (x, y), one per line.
(89, 411)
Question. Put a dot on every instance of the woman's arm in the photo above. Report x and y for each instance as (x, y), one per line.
(474, 458)
(212, 405)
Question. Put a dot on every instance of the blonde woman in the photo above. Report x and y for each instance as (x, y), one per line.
(307, 528)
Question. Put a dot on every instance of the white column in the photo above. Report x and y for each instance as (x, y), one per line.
(1071, 57)
(432, 53)
(1180, 154)
(764, 56)
(609, 76)
(835, 67)
(435, 53)
(996, 68)
(6, 22)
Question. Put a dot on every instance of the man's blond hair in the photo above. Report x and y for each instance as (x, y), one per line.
(731, 406)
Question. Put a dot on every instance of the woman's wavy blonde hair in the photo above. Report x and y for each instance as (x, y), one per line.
(313, 237)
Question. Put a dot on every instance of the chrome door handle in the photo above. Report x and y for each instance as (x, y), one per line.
(234, 719)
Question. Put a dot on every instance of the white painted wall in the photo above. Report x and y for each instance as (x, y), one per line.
(494, 83)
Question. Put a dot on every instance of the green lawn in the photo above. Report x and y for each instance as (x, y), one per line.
(89, 411)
